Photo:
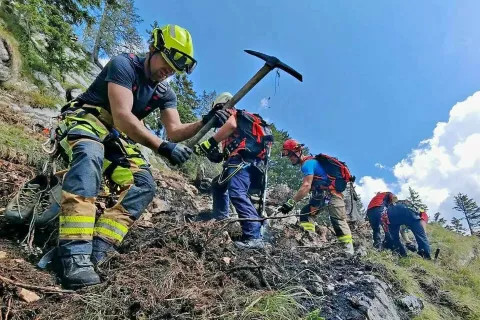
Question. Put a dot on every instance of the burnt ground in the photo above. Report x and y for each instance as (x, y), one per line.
(170, 268)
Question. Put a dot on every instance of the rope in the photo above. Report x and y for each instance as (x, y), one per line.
(271, 218)
(277, 81)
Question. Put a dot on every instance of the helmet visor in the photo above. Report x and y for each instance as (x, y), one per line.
(179, 61)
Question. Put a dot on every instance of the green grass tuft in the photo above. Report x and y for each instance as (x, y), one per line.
(449, 287)
(20, 146)
(277, 305)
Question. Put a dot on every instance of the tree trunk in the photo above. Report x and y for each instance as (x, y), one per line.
(468, 222)
(96, 46)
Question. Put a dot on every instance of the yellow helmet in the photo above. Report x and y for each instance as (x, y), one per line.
(222, 98)
(176, 46)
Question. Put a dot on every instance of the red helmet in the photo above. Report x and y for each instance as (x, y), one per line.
(291, 145)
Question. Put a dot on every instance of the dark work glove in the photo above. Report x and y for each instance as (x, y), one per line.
(410, 246)
(287, 206)
(215, 155)
(206, 147)
(221, 116)
(176, 153)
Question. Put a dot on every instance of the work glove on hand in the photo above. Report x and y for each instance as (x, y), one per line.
(410, 246)
(206, 147)
(221, 116)
(287, 206)
(176, 153)
(215, 155)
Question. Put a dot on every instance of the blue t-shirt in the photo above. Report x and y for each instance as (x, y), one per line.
(127, 70)
(312, 167)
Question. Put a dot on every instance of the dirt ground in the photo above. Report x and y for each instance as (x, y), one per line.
(170, 268)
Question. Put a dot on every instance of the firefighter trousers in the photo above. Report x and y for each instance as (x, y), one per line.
(337, 212)
(91, 152)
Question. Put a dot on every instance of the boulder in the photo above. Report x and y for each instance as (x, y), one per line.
(412, 304)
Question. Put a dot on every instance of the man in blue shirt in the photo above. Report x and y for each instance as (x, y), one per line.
(324, 197)
(98, 135)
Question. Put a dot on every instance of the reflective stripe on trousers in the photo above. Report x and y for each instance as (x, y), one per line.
(89, 158)
(337, 213)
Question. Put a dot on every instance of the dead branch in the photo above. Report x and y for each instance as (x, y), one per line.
(296, 275)
(265, 218)
(262, 274)
(32, 287)
(245, 268)
(8, 308)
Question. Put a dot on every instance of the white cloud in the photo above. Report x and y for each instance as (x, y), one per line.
(367, 187)
(443, 165)
(380, 166)
(264, 102)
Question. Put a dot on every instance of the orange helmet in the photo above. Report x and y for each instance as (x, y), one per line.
(291, 146)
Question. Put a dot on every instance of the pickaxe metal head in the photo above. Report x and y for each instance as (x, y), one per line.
(274, 62)
(270, 64)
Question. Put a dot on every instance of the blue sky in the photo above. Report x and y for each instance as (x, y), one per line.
(378, 75)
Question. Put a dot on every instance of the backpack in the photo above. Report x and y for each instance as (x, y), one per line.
(337, 171)
(252, 137)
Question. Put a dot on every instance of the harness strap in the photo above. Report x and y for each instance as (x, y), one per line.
(237, 167)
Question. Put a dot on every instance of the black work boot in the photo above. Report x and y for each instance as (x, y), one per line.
(78, 271)
(101, 251)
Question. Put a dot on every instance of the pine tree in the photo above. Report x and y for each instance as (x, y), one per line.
(360, 207)
(415, 200)
(187, 100)
(456, 225)
(354, 208)
(438, 219)
(47, 18)
(77, 11)
(153, 26)
(205, 102)
(470, 210)
(116, 32)
(281, 171)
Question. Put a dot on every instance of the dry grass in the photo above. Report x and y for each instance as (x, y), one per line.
(450, 287)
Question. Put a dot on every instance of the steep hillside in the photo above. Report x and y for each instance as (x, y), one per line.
(171, 268)
(449, 286)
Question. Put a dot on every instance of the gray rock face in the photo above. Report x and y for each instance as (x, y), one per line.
(4, 55)
(58, 87)
(40, 116)
(5, 72)
(366, 298)
(42, 78)
(412, 305)
(381, 306)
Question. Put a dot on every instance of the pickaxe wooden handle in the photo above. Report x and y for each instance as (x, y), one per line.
(270, 64)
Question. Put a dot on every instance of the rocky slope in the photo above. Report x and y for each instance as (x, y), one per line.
(10, 65)
(172, 268)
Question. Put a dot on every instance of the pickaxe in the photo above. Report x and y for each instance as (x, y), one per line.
(270, 64)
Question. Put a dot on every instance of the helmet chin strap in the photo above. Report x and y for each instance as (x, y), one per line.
(149, 67)
(299, 158)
